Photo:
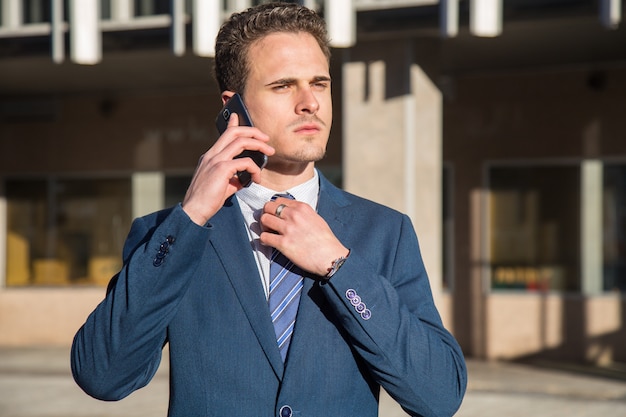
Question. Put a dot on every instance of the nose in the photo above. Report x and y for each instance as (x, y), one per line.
(307, 102)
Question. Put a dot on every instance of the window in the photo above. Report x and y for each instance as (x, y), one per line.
(65, 231)
(151, 7)
(175, 189)
(534, 227)
(614, 226)
(36, 11)
(105, 9)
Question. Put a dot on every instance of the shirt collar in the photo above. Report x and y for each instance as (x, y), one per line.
(256, 195)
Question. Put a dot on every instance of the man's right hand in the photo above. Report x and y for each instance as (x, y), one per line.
(215, 177)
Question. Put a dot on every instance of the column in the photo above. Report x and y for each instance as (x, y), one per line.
(591, 226)
(148, 190)
(392, 118)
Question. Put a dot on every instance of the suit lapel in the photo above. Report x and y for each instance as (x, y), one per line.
(230, 242)
(331, 207)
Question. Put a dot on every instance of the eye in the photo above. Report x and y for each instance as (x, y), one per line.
(320, 86)
(280, 87)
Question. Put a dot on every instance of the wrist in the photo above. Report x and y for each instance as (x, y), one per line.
(336, 264)
(195, 216)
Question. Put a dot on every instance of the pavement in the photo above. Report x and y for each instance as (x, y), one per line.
(36, 382)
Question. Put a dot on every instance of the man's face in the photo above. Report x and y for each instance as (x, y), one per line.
(288, 96)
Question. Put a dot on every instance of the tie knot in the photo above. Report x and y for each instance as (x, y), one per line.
(284, 195)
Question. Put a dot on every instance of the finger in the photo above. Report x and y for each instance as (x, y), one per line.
(223, 151)
(222, 140)
(271, 206)
(234, 132)
(238, 138)
(271, 224)
(233, 120)
(251, 168)
(269, 238)
(279, 210)
(241, 144)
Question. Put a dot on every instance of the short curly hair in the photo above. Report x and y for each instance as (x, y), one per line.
(239, 32)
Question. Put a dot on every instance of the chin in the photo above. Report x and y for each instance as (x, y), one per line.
(310, 156)
(301, 158)
(302, 154)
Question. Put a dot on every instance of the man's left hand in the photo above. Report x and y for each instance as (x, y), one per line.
(302, 235)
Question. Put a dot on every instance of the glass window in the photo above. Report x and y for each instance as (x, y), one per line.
(151, 7)
(36, 11)
(534, 227)
(66, 231)
(614, 225)
(105, 9)
(175, 189)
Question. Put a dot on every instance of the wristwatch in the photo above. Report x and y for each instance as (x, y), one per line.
(337, 263)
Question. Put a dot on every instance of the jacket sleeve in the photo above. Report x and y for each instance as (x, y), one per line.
(118, 349)
(382, 298)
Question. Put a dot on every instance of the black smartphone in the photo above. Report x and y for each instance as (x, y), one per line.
(235, 105)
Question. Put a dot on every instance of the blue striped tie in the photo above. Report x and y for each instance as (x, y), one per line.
(285, 289)
(284, 297)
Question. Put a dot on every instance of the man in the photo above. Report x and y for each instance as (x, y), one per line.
(199, 276)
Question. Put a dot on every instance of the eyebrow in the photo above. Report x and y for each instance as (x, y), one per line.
(282, 81)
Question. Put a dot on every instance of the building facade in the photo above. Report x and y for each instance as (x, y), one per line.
(498, 126)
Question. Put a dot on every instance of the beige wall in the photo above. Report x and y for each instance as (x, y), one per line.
(44, 317)
(571, 329)
(550, 115)
(392, 117)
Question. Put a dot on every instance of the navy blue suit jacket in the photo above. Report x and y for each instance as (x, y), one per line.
(197, 288)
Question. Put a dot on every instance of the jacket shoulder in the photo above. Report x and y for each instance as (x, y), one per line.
(360, 204)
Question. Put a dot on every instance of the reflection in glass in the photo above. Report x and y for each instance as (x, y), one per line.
(535, 227)
(614, 225)
(66, 231)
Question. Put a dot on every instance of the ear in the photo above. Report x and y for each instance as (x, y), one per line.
(226, 95)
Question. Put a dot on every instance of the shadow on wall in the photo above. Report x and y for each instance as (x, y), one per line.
(591, 338)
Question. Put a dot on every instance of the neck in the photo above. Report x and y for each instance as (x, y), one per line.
(282, 178)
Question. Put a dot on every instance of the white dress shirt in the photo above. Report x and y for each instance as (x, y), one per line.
(252, 199)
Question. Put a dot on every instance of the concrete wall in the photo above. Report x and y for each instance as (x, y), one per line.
(550, 326)
(44, 317)
(564, 115)
(392, 115)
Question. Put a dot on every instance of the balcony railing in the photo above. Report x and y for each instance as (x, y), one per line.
(85, 20)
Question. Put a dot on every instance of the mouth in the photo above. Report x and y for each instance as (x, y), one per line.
(308, 129)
